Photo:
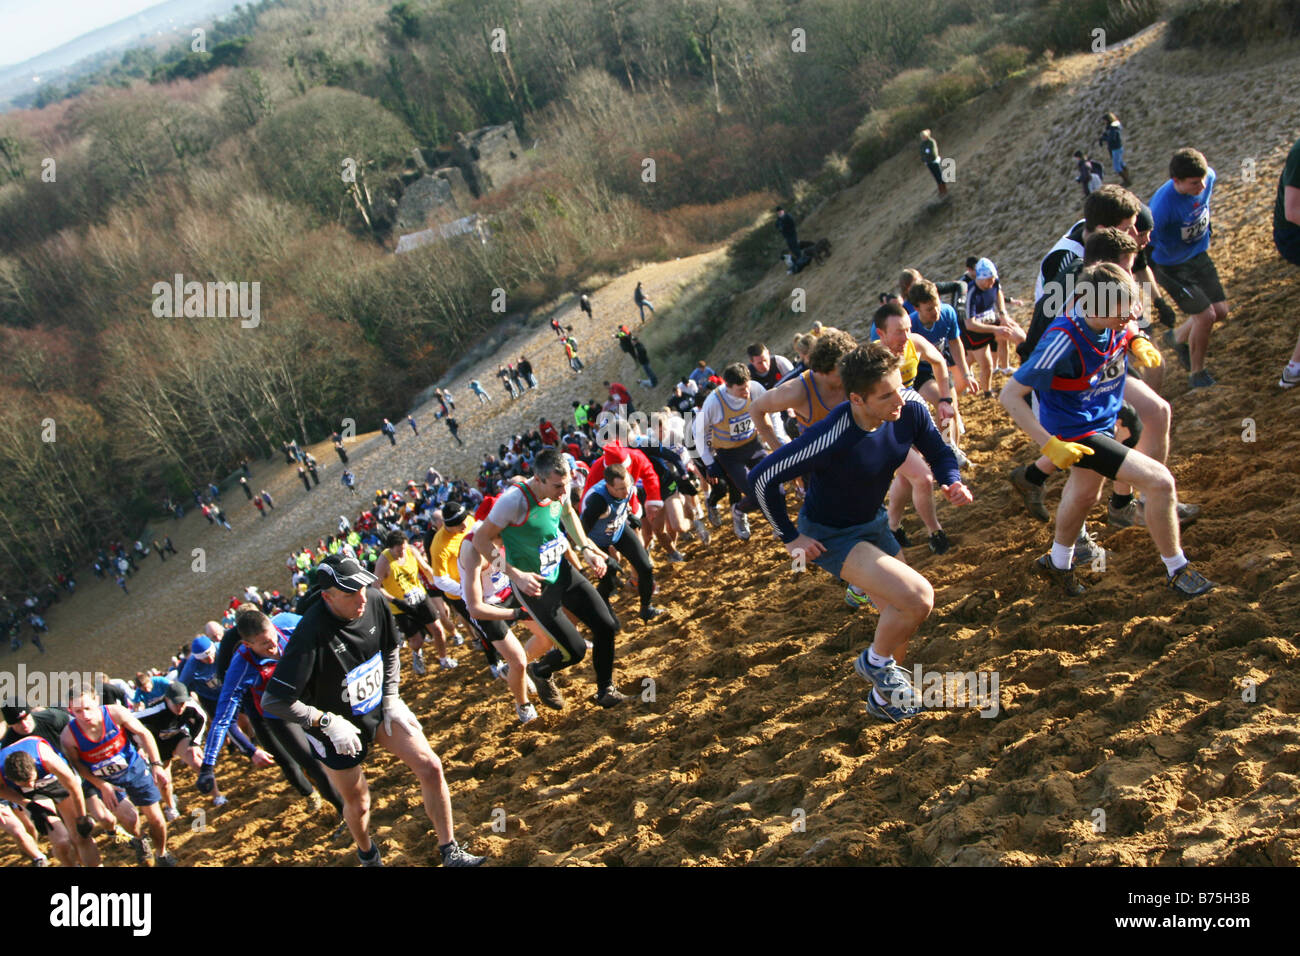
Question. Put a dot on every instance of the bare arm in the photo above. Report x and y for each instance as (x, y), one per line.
(1012, 398)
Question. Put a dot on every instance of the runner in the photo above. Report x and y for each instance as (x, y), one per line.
(261, 641)
(485, 594)
(726, 439)
(1180, 258)
(526, 519)
(338, 678)
(1286, 236)
(812, 394)
(604, 518)
(399, 570)
(986, 322)
(34, 773)
(443, 548)
(1077, 373)
(176, 723)
(98, 744)
(849, 459)
(937, 322)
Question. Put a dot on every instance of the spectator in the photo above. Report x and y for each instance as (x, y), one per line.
(930, 153)
(1112, 137)
(642, 302)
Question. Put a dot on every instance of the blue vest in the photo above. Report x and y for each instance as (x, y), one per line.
(608, 529)
(1088, 403)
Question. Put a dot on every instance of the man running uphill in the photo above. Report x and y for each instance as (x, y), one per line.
(849, 459)
(338, 678)
(1077, 372)
(530, 520)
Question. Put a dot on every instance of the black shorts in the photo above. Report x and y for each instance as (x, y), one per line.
(1107, 456)
(413, 620)
(1193, 284)
(924, 373)
(974, 341)
(324, 751)
(41, 815)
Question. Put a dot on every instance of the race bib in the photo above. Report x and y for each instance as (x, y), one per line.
(415, 597)
(365, 685)
(550, 554)
(1194, 230)
(740, 427)
(112, 766)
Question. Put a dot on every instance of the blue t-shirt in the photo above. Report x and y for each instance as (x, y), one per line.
(1078, 376)
(849, 469)
(1182, 223)
(944, 329)
(200, 678)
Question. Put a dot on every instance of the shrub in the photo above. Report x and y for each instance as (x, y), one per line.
(1211, 23)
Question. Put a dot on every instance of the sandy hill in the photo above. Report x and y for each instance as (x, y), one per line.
(755, 747)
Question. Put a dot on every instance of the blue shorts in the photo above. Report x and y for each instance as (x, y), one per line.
(840, 541)
(138, 783)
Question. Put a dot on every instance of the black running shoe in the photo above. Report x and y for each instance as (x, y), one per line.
(547, 692)
(1189, 582)
(939, 542)
(901, 537)
(455, 855)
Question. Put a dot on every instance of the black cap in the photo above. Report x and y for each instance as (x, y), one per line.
(453, 513)
(176, 693)
(14, 712)
(1145, 220)
(342, 572)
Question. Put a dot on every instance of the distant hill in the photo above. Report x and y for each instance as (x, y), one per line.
(163, 25)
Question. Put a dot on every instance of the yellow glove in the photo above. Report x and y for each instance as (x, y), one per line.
(1065, 453)
(1145, 355)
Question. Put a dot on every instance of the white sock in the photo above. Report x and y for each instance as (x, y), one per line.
(1175, 563)
(877, 660)
(1062, 556)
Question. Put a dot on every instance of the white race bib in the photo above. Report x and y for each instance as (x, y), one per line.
(550, 554)
(365, 685)
(741, 427)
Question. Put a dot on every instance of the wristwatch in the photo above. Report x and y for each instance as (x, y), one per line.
(325, 721)
(946, 399)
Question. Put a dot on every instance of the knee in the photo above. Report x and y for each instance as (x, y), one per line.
(429, 768)
(1162, 482)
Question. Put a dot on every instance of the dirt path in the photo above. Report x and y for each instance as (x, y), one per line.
(1176, 720)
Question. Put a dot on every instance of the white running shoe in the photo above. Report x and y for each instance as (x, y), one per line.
(526, 712)
(447, 663)
(220, 800)
(170, 814)
(417, 662)
(740, 523)
(500, 669)
(702, 530)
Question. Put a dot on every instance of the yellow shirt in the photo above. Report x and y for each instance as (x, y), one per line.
(909, 362)
(817, 409)
(444, 550)
(737, 426)
(403, 578)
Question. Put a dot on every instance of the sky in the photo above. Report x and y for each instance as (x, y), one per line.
(32, 27)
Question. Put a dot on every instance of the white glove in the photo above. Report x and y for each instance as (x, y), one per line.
(396, 711)
(344, 736)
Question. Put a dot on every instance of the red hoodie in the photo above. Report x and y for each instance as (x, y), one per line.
(639, 470)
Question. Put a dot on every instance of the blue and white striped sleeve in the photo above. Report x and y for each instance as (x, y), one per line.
(805, 454)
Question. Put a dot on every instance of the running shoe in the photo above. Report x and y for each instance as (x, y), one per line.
(901, 537)
(856, 599)
(1180, 349)
(962, 460)
(373, 858)
(702, 530)
(889, 712)
(1201, 379)
(447, 663)
(454, 855)
(314, 801)
(1288, 380)
(526, 712)
(1065, 579)
(170, 814)
(141, 850)
(340, 832)
(1031, 493)
(892, 681)
(1131, 514)
(650, 612)
(676, 557)
(1189, 582)
(939, 542)
(417, 662)
(499, 670)
(458, 638)
(120, 836)
(220, 800)
(715, 519)
(165, 860)
(611, 697)
(41, 861)
(1086, 548)
(740, 523)
(547, 692)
